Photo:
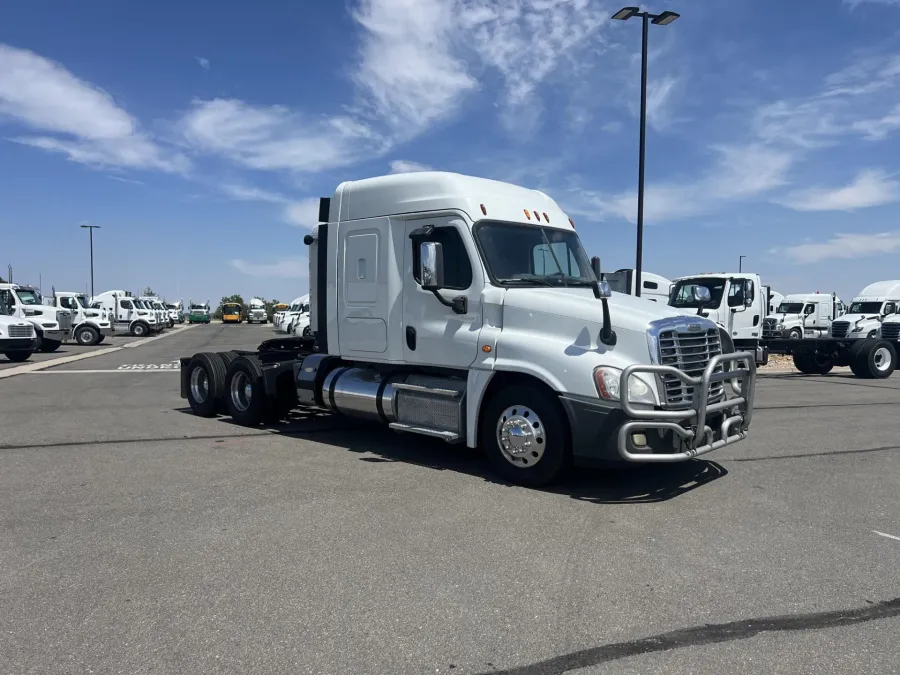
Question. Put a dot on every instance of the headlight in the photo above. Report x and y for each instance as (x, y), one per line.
(857, 330)
(32, 312)
(607, 381)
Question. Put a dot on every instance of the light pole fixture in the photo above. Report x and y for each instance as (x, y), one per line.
(661, 19)
(741, 263)
(90, 229)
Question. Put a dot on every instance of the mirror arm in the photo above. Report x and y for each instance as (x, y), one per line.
(459, 304)
(607, 334)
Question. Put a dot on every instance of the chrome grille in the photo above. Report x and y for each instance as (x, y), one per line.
(769, 328)
(21, 332)
(65, 320)
(690, 353)
(839, 329)
(890, 331)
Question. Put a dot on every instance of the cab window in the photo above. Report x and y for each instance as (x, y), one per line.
(809, 309)
(126, 304)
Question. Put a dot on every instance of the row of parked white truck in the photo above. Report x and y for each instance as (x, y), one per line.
(30, 322)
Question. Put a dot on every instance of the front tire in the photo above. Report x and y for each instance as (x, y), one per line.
(17, 357)
(87, 335)
(140, 329)
(525, 436)
(795, 334)
(48, 346)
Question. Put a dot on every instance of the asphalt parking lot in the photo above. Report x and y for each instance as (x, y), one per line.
(72, 348)
(138, 538)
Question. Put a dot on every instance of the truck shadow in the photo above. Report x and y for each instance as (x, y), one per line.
(621, 485)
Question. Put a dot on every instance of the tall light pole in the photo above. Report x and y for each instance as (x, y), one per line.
(741, 263)
(90, 229)
(661, 19)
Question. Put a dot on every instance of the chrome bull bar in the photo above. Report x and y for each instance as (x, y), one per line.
(699, 437)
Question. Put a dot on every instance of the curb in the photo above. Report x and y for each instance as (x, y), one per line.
(41, 365)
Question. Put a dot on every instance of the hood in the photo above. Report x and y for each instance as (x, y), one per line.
(859, 318)
(711, 314)
(626, 311)
(12, 321)
(785, 317)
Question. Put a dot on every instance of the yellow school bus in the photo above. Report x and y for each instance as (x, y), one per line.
(231, 312)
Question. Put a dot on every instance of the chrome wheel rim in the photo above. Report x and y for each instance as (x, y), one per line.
(85, 337)
(521, 436)
(241, 392)
(199, 385)
(882, 359)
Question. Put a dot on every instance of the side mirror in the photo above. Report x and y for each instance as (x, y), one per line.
(701, 294)
(431, 265)
(603, 290)
(595, 267)
(748, 293)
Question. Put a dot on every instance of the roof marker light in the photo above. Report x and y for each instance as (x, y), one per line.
(537, 216)
(546, 217)
(483, 210)
(527, 215)
(572, 223)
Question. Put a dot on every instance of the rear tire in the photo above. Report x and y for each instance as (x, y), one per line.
(245, 396)
(525, 436)
(206, 383)
(813, 364)
(17, 357)
(87, 335)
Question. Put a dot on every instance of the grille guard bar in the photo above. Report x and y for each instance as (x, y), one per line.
(738, 410)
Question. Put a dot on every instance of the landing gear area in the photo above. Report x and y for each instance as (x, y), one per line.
(867, 358)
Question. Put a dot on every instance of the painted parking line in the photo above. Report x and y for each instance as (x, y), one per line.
(111, 370)
(41, 365)
(884, 534)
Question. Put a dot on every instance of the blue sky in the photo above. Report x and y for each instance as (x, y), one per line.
(199, 135)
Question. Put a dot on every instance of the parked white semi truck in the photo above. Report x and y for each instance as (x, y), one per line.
(90, 326)
(18, 339)
(802, 315)
(738, 304)
(128, 314)
(256, 311)
(283, 321)
(867, 310)
(51, 324)
(653, 286)
(176, 311)
(856, 339)
(435, 310)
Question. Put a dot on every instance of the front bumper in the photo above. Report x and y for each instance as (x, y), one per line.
(604, 431)
(18, 344)
(55, 334)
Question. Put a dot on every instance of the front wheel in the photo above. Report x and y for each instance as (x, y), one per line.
(795, 334)
(17, 357)
(524, 434)
(49, 345)
(87, 335)
(140, 329)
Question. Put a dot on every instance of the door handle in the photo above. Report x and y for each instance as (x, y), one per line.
(411, 338)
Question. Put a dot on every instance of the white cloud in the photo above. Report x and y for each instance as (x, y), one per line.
(406, 67)
(740, 172)
(405, 166)
(659, 95)
(880, 128)
(204, 63)
(869, 188)
(304, 213)
(249, 193)
(287, 268)
(85, 121)
(844, 246)
(855, 3)
(276, 138)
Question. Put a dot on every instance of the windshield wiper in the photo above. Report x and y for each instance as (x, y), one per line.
(527, 279)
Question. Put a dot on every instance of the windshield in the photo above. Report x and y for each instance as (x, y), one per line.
(790, 308)
(231, 307)
(198, 306)
(29, 296)
(683, 292)
(170, 306)
(531, 255)
(865, 308)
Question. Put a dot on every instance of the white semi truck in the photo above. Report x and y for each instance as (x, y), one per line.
(283, 321)
(856, 339)
(256, 312)
(128, 314)
(867, 310)
(653, 286)
(51, 324)
(153, 303)
(435, 310)
(90, 326)
(176, 311)
(802, 315)
(18, 339)
(738, 304)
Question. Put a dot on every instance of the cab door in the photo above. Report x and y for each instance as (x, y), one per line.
(433, 334)
(746, 321)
